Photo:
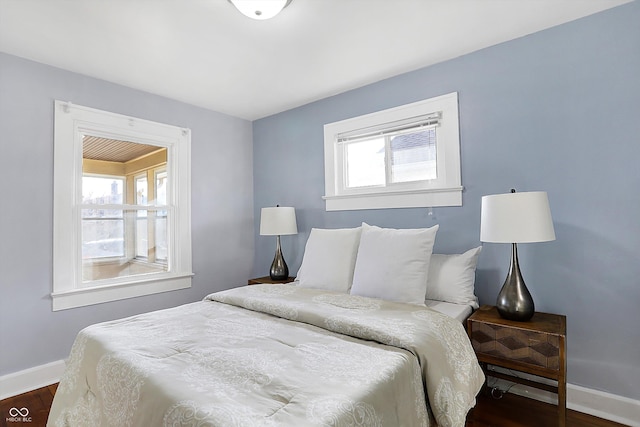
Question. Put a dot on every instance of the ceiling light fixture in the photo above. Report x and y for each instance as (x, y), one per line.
(260, 9)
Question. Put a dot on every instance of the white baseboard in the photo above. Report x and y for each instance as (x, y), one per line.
(589, 401)
(604, 405)
(31, 379)
(600, 404)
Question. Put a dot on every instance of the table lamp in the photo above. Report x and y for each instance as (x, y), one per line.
(278, 221)
(516, 218)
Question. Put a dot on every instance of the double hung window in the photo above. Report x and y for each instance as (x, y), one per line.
(121, 207)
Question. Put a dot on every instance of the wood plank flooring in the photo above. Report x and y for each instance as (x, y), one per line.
(517, 411)
(510, 411)
(37, 402)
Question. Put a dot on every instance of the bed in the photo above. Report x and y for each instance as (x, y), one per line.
(275, 355)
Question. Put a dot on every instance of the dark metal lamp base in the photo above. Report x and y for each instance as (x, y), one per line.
(514, 300)
(279, 269)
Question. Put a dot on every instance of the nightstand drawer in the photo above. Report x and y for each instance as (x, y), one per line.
(517, 345)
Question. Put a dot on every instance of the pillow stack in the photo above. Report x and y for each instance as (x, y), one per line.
(387, 263)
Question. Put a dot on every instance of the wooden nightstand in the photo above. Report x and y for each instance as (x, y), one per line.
(267, 280)
(536, 347)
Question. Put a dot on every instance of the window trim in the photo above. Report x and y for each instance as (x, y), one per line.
(446, 190)
(71, 122)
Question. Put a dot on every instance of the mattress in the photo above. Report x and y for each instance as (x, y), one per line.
(457, 311)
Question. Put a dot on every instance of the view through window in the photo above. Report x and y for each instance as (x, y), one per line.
(124, 209)
(383, 160)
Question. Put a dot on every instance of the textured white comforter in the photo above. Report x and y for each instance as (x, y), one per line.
(271, 355)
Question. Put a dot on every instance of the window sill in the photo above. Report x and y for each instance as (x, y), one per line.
(396, 199)
(113, 292)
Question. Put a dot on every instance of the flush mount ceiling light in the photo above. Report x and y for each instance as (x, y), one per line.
(260, 9)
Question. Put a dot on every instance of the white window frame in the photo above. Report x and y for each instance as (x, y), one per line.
(71, 123)
(446, 190)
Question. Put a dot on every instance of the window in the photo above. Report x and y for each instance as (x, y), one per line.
(121, 207)
(407, 156)
(120, 231)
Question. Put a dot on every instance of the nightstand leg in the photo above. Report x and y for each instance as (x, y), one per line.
(562, 403)
(562, 383)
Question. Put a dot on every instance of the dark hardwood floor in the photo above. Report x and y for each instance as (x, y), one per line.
(37, 402)
(517, 411)
(510, 411)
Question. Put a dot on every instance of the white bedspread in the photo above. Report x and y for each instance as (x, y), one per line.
(271, 355)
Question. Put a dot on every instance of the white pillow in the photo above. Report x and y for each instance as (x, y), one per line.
(393, 264)
(329, 259)
(452, 278)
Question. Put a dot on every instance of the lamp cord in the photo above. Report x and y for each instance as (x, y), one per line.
(496, 392)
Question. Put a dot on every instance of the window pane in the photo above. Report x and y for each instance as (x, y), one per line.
(365, 163)
(142, 193)
(413, 156)
(142, 233)
(161, 217)
(102, 238)
(161, 237)
(102, 190)
(161, 188)
(105, 249)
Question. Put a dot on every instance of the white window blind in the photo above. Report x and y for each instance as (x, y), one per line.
(399, 127)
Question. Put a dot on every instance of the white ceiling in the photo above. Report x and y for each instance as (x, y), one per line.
(204, 52)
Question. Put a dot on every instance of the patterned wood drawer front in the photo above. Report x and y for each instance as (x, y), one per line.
(533, 348)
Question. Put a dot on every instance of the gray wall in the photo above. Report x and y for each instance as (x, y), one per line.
(222, 206)
(557, 111)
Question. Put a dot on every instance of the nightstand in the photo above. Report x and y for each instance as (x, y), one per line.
(267, 280)
(536, 347)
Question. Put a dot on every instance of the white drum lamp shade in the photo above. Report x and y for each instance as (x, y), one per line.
(278, 221)
(516, 218)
